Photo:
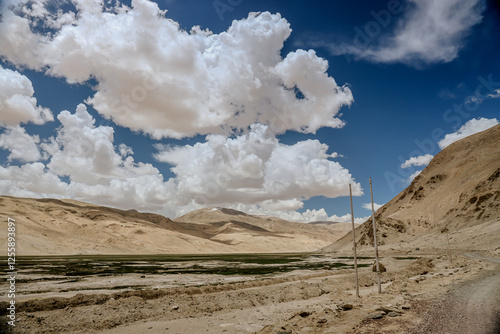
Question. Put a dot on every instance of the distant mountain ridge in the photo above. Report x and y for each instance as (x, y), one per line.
(65, 227)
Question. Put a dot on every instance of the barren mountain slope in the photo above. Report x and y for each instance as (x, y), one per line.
(456, 195)
(50, 226)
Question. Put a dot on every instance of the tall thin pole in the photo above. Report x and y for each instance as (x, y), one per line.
(375, 239)
(449, 251)
(354, 245)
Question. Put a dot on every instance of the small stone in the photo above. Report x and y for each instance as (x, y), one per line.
(387, 310)
(380, 266)
(347, 307)
(392, 314)
(284, 331)
(175, 308)
(304, 314)
(375, 315)
(405, 307)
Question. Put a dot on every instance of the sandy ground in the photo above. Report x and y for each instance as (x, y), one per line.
(321, 301)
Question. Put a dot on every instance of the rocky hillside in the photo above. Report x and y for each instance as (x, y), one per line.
(50, 226)
(457, 196)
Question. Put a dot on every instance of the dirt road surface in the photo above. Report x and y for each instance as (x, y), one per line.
(470, 308)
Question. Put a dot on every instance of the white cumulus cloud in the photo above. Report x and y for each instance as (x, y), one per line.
(471, 127)
(253, 168)
(22, 146)
(177, 83)
(98, 170)
(368, 206)
(421, 160)
(31, 180)
(300, 217)
(318, 215)
(17, 103)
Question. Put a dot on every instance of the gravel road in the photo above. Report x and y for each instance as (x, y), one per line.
(470, 308)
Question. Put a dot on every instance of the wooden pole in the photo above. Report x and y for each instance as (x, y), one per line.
(375, 239)
(354, 245)
(449, 250)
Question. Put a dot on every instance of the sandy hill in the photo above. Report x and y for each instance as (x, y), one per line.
(456, 195)
(234, 222)
(50, 226)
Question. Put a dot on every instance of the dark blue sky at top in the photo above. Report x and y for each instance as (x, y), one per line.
(396, 106)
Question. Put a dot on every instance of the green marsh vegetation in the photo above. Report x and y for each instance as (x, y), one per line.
(76, 266)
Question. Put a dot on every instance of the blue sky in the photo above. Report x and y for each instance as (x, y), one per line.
(270, 107)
